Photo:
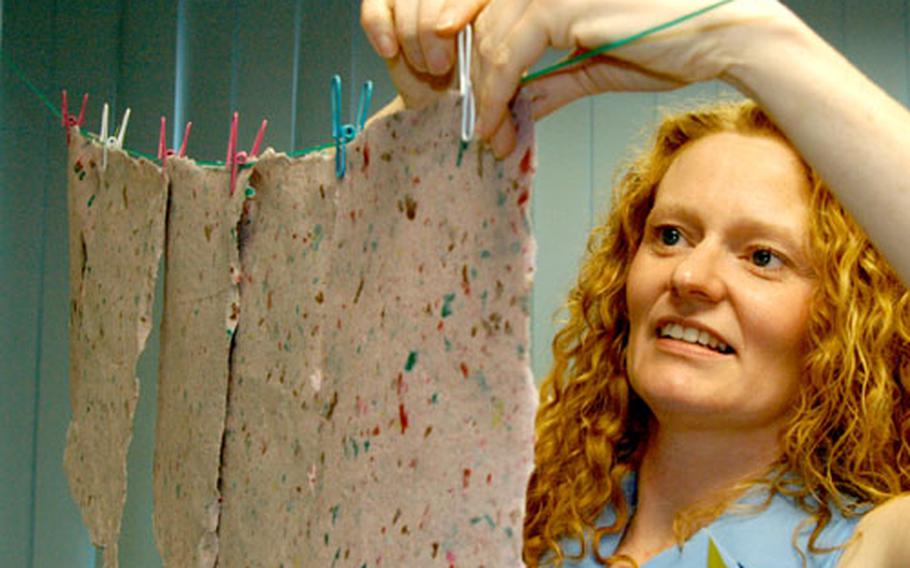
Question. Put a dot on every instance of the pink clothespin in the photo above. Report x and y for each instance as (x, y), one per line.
(235, 158)
(67, 120)
(163, 152)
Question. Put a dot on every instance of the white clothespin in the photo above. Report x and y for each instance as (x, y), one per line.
(468, 112)
(115, 141)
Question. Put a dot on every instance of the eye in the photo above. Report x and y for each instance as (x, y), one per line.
(766, 258)
(668, 235)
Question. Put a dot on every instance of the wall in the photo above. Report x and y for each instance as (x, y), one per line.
(198, 60)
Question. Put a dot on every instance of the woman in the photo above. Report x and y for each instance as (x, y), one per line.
(732, 369)
(731, 328)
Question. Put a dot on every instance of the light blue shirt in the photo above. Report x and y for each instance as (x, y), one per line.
(744, 539)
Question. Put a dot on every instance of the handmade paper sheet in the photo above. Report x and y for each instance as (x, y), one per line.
(272, 442)
(201, 311)
(381, 403)
(116, 229)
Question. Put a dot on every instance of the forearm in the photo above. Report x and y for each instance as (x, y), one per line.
(849, 129)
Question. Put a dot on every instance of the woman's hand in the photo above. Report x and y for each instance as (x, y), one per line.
(511, 35)
(419, 57)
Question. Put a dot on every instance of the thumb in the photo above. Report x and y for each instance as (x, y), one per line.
(417, 89)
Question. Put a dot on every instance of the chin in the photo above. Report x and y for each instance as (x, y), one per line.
(683, 395)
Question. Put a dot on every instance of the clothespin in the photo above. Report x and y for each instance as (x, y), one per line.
(235, 158)
(163, 152)
(115, 141)
(465, 89)
(344, 133)
(68, 120)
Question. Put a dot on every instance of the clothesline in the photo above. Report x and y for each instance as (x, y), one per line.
(575, 59)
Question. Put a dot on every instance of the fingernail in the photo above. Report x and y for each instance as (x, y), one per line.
(446, 19)
(386, 46)
(479, 127)
(438, 60)
(498, 152)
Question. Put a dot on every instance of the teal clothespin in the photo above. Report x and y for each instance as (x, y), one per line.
(344, 133)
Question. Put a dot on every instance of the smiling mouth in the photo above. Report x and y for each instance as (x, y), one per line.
(694, 336)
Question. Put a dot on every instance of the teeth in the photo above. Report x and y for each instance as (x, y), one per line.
(692, 335)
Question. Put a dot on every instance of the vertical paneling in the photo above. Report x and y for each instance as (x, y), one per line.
(209, 66)
(875, 42)
(367, 65)
(826, 17)
(686, 97)
(86, 59)
(148, 70)
(621, 121)
(137, 541)
(325, 50)
(24, 125)
(561, 211)
(265, 71)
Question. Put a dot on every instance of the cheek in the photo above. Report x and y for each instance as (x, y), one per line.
(791, 314)
(640, 293)
(779, 325)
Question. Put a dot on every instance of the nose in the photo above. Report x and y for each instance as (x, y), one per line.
(698, 275)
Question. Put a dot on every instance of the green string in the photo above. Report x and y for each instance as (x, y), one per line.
(18, 72)
(619, 43)
(297, 153)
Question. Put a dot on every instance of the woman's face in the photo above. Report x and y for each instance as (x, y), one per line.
(718, 291)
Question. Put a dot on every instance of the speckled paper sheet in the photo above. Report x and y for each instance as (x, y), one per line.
(381, 402)
(272, 441)
(201, 313)
(116, 229)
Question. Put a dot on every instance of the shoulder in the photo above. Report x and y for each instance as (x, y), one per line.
(881, 537)
(780, 531)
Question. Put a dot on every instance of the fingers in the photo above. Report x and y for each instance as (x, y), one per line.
(456, 14)
(438, 51)
(377, 21)
(407, 14)
(411, 26)
(597, 75)
(500, 66)
(552, 92)
(503, 141)
(417, 90)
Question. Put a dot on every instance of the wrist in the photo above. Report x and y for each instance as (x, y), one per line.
(767, 40)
